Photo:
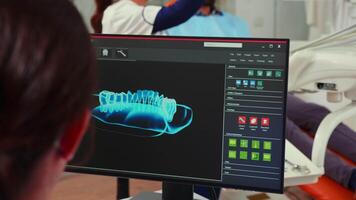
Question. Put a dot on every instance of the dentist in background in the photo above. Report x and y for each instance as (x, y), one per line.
(135, 17)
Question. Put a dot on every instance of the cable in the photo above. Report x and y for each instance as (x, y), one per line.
(212, 192)
(216, 196)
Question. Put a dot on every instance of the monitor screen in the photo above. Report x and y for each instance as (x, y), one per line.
(207, 111)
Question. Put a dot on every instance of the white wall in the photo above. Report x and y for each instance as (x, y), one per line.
(273, 18)
(86, 9)
(259, 15)
(290, 20)
(227, 5)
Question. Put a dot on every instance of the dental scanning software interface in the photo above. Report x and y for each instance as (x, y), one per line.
(207, 111)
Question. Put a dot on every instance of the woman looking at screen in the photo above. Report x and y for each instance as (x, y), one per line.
(46, 79)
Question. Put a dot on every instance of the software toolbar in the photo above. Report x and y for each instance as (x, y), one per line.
(253, 116)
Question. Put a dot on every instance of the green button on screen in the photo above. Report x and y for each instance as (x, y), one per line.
(232, 142)
(232, 154)
(255, 144)
(244, 143)
(243, 155)
(267, 157)
(267, 145)
(255, 156)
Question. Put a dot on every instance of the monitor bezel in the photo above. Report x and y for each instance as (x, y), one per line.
(189, 180)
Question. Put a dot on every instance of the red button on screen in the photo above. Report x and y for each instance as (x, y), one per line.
(253, 121)
(265, 121)
(242, 120)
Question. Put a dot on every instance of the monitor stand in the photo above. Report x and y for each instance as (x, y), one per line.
(170, 191)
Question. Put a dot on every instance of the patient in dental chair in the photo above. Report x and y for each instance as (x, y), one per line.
(210, 21)
(305, 117)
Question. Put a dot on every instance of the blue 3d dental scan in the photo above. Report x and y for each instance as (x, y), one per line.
(188, 110)
(143, 109)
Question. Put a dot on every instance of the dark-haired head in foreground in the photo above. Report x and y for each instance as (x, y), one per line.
(46, 78)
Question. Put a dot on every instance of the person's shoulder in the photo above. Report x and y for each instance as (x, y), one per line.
(127, 17)
(123, 7)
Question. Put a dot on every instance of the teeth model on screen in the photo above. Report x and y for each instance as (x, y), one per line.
(144, 109)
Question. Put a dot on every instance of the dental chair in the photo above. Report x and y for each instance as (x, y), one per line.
(329, 65)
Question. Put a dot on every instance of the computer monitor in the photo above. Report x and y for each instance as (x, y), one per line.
(208, 111)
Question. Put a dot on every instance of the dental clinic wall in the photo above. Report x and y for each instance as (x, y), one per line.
(274, 18)
(86, 8)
